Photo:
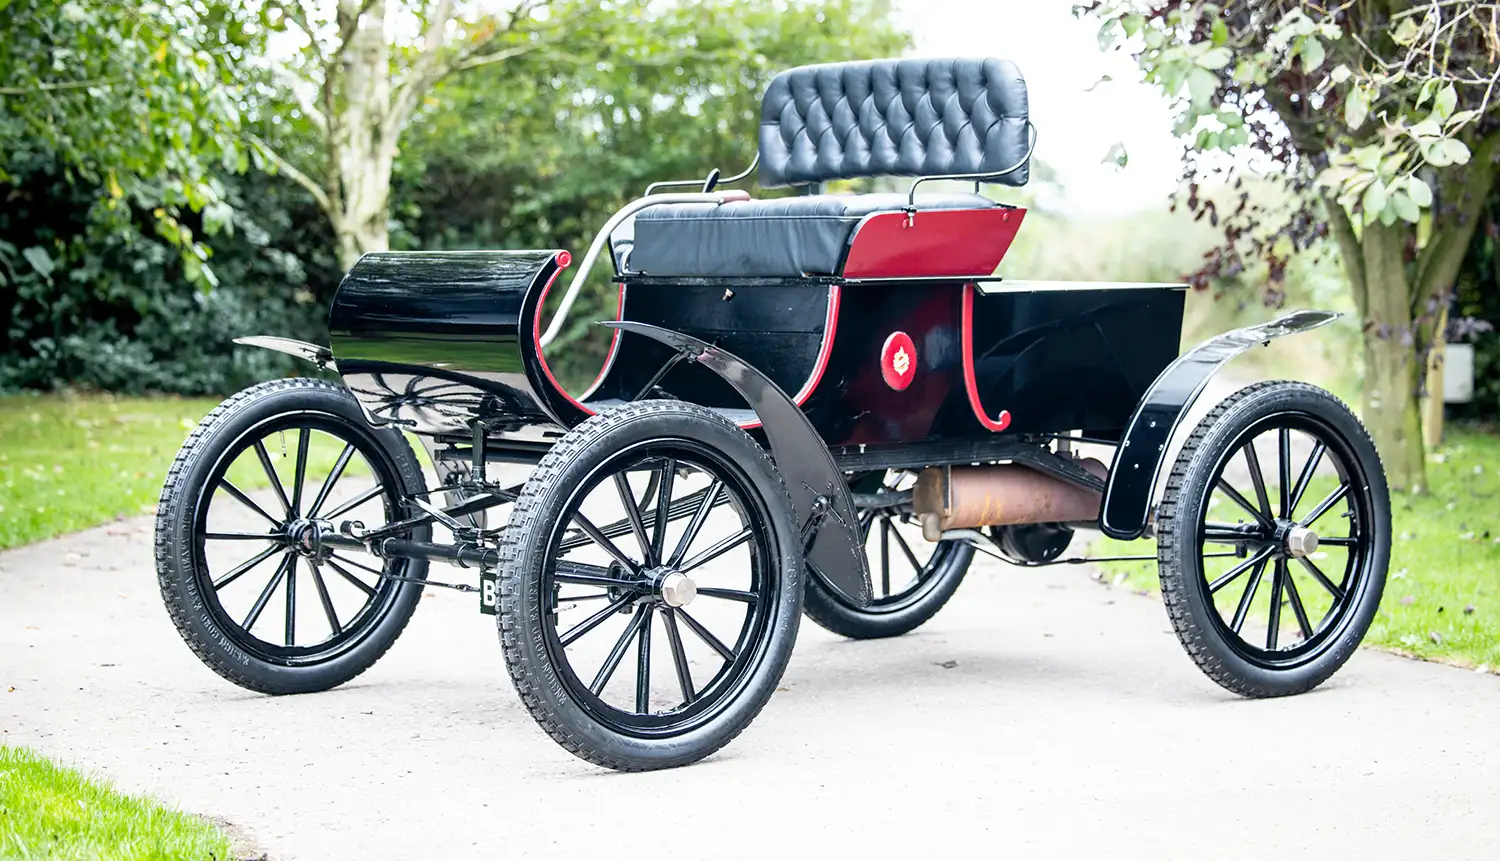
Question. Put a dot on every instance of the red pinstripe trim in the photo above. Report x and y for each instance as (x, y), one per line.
(970, 384)
(830, 329)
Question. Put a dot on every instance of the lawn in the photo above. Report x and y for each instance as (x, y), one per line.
(1442, 599)
(70, 462)
(52, 812)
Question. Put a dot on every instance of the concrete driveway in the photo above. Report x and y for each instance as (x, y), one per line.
(1040, 715)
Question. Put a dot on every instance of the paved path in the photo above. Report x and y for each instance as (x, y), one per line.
(1040, 714)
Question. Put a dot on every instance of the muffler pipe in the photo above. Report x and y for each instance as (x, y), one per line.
(968, 497)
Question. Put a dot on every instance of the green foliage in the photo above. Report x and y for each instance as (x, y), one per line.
(125, 98)
(115, 308)
(47, 811)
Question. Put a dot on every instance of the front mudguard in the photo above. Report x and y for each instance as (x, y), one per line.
(821, 504)
(1143, 448)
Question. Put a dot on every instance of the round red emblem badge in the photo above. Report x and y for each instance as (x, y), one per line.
(898, 361)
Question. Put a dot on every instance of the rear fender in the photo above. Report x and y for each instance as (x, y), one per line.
(320, 356)
(1143, 448)
(821, 503)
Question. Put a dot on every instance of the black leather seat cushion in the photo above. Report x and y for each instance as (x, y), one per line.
(782, 237)
(894, 118)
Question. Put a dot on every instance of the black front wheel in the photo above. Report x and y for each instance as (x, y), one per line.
(651, 585)
(1273, 539)
(249, 588)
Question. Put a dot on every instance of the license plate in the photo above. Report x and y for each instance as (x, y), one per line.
(489, 593)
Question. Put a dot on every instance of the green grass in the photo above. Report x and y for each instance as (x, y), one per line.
(51, 812)
(70, 462)
(1442, 597)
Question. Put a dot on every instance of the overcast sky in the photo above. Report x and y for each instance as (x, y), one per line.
(1060, 57)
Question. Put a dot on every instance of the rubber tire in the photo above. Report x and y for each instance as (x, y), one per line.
(833, 614)
(523, 554)
(174, 546)
(1183, 588)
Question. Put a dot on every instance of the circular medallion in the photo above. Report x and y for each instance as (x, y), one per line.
(898, 361)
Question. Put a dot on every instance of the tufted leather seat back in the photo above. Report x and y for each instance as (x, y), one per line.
(893, 118)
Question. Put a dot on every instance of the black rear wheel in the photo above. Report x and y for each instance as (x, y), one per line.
(911, 578)
(651, 583)
(249, 589)
(1274, 537)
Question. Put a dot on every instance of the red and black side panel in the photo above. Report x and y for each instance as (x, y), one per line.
(786, 328)
(431, 341)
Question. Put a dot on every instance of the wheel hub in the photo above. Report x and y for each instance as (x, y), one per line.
(1300, 541)
(672, 588)
(305, 536)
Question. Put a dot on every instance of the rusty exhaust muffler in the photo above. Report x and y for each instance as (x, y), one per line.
(967, 497)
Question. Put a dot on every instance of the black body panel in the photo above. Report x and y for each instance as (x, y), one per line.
(431, 341)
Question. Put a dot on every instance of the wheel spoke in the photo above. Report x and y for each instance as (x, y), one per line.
(245, 566)
(729, 594)
(333, 477)
(1278, 580)
(707, 636)
(906, 549)
(696, 524)
(272, 477)
(1229, 576)
(1284, 477)
(1229, 533)
(663, 509)
(1243, 609)
(265, 595)
(643, 665)
(1257, 478)
(717, 550)
(633, 513)
(327, 602)
(1297, 609)
(618, 652)
(355, 502)
(364, 587)
(360, 565)
(603, 541)
(1244, 503)
(885, 556)
(1328, 502)
(679, 655)
(248, 502)
(1317, 573)
(291, 601)
(1338, 542)
(241, 536)
(299, 478)
(593, 621)
(1307, 473)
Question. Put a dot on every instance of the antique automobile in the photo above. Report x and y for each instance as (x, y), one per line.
(816, 403)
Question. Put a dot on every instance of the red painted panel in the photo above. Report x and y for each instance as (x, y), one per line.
(935, 244)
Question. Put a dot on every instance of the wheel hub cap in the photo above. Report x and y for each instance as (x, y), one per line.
(677, 589)
(1301, 541)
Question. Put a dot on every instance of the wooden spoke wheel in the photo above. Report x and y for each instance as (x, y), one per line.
(651, 584)
(250, 588)
(1274, 539)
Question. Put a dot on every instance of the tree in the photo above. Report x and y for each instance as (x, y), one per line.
(126, 98)
(1383, 117)
(362, 68)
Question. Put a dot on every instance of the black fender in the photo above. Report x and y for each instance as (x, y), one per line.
(821, 503)
(1143, 447)
(320, 356)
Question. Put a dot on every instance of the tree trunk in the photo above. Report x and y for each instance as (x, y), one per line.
(362, 154)
(1392, 371)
